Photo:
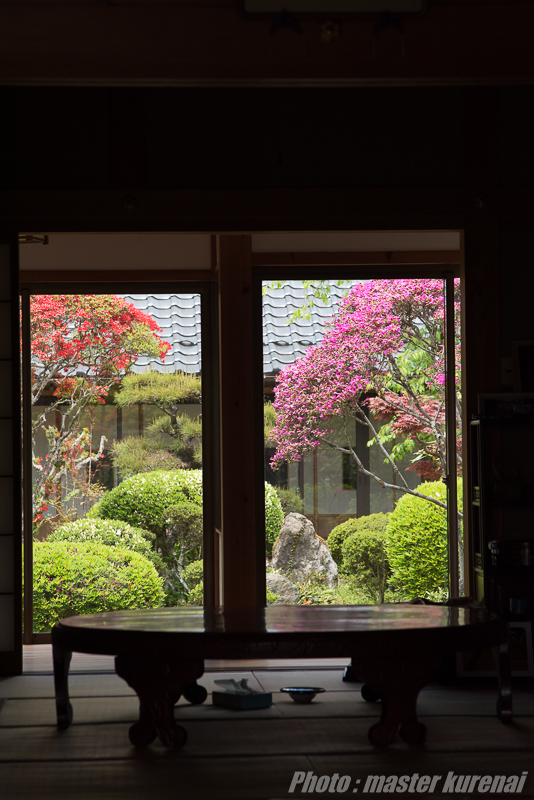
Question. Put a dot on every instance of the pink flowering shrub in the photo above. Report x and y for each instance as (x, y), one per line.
(383, 353)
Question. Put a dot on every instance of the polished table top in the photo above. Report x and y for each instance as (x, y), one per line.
(385, 627)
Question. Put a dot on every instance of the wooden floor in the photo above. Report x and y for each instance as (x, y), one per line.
(232, 754)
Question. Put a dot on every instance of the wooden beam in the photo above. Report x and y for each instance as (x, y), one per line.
(398, 258)
(235, 210)
(211, 44)
(243, 540)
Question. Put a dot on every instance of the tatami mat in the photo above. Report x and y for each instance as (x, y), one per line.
(79, 686)
(216, 778)
(232, 755)
(332, 680)
(38, 658)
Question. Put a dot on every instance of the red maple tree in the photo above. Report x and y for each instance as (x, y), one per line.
(80, 346)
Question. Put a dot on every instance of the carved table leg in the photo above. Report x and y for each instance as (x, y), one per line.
(194, 693)
(159, 685)
(501, 656)
(61, 659)
(398, 683)
(349, 675)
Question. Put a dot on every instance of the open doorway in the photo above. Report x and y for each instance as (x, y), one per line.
(363, 428)
(117, 385)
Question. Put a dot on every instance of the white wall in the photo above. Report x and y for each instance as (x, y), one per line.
(114, 251)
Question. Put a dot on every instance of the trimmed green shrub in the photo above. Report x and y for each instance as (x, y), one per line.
(290, 500)
(373, 523)
(105, 531)
(143, 499)
(274, 517)
(364, 556)
(181, 542)
(194, 577)
(417, 542)
(72, 578)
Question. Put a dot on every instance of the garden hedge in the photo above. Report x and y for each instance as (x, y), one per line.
(72, 578)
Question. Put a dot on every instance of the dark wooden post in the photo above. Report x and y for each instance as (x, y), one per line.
(243, 537)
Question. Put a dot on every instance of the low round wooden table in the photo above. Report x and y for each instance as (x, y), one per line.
(160, 653)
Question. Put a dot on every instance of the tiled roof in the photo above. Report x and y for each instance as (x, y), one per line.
(283, 342)
(178, 315)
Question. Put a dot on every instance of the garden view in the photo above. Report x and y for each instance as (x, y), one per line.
(354, 433)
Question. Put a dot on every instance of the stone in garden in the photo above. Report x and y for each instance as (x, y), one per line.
(298, 551)
(287, 591)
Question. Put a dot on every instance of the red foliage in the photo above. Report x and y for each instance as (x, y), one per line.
(80, 346)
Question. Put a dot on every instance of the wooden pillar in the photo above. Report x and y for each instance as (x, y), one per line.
(242, 513)
(480, 275)
(10, 463)
(481, 347)
(481, 343)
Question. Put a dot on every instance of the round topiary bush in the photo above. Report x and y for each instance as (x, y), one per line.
(142, 500)
(372, 523)
(365, 558)
(417, 542)
(106, 531)
(72, 578)
(274, 517)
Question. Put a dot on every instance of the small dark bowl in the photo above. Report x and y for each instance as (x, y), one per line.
(302, 694)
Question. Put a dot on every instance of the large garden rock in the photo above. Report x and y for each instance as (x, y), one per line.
(287, 591)
(298, 551)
